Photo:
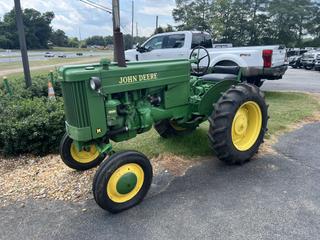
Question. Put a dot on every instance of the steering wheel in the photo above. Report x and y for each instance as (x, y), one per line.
(199, 70)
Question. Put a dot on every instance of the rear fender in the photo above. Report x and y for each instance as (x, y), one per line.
(213, 95)
(230, 58)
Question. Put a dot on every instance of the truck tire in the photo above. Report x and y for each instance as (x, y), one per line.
(308, 67)
(167, 129)
(238, 124)
(122, 181)
(79, 160)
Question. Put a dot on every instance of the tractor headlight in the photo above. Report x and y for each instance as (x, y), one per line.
(95, 83)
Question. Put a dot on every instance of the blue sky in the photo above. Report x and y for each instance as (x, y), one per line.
(72, 15)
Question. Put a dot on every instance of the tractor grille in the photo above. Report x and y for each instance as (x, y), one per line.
(76, 104)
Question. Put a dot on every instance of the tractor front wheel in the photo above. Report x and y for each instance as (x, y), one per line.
(167, 129)
(238, 123)
(122, 181)
(79, 160)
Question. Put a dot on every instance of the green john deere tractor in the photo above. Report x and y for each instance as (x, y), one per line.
(104, 102)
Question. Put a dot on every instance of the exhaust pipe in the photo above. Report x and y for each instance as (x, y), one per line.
(118, 44)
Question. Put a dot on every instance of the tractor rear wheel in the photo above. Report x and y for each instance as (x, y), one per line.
(79, 160)
(238, 123)
(167, 129)
(122, 181)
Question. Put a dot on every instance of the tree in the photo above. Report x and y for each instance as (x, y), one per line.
(251, 22)
(73, 42)
(169, 28)
(96, 40)
(59, 38)
(193, 14)
(159, 30)
(37, 29)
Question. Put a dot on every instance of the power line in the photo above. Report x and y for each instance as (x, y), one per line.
(97, 6)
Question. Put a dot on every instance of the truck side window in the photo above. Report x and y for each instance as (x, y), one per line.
(200, 39)
(173, 41)
(155, 43)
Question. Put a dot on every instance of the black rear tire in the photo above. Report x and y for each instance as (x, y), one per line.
(222, 123)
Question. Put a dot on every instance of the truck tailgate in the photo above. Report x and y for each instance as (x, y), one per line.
(278, 56)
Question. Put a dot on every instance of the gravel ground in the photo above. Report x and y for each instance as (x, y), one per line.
(29, 177)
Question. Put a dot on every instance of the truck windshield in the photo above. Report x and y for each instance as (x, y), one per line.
(201, 39)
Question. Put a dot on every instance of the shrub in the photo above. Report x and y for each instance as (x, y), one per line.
(39, 87)
(30, 125)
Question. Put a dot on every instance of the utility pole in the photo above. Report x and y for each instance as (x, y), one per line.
(22, 41)
(137, 33)
(79, 38)
(132, 23)
(157, 21)
(117, 35)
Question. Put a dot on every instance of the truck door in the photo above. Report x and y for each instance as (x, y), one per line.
(153, 49)
(171, 46)
(174, 47)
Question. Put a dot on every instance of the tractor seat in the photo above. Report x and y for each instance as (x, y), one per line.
(222, 73)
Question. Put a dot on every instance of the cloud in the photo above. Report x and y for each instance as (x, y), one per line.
(70, 15)
(165, 10)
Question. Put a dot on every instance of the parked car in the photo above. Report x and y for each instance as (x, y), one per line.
(62, 55)
(317, 64)
(294, 57)
(49, 54)
(79, 53)
(258, 63)
(308, 59)
(295, 62)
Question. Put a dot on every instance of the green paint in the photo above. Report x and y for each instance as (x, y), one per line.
(126, 183)
(132, 99)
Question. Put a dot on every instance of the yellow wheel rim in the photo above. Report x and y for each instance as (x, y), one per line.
(246, 126)
(130, 169)
(84, 156)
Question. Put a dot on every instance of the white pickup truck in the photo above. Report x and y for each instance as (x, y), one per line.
(258, 63)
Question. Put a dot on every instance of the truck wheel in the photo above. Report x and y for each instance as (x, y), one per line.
(79, 160)
(308, 67)
(122, 181)
(167, 129)
(238, 124)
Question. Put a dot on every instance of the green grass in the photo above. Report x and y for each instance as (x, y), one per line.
(13, 65)
(289, 108)
(285, 109)
(68, 49)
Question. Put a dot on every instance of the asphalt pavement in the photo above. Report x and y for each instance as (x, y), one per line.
(272, 197)
(295, 80)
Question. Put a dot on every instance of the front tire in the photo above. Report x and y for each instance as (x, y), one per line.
(122, 181)
(238, 124)
(79, 160)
